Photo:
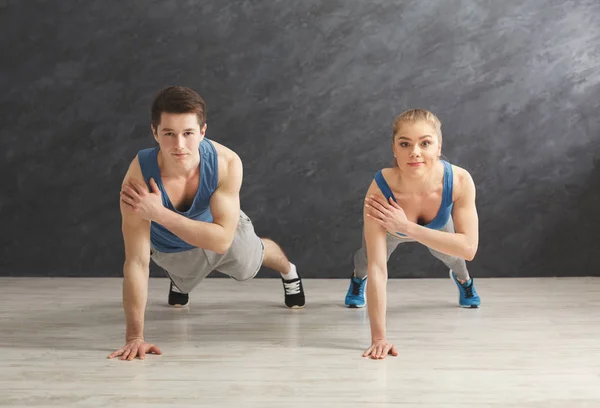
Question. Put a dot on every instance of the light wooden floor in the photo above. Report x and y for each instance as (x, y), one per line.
(534, 343)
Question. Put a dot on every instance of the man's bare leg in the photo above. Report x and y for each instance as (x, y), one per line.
(274, 258)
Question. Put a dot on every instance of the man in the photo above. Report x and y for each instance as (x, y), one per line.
(180, 206)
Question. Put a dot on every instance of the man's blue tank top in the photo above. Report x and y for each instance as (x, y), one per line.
(161, 238)
(445, 211)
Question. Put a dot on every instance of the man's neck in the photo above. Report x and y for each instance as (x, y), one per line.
(171, 171)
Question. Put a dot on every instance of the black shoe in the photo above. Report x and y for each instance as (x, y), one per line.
(294, 293)
(176, 298)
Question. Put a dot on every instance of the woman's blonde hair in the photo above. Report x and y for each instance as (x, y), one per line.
(418, 115)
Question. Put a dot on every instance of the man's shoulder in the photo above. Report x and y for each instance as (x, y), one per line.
(224, 153)
(226, 157)
(229, 162)
(135, 170)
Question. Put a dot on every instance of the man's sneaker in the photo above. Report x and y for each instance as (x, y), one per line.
(355, 297)
(468, 296)
(294, 293)
(176, 298)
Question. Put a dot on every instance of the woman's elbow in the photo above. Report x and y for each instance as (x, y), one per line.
(470, 252)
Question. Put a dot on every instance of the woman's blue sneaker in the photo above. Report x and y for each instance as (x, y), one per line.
(355, 298)
(467, 295)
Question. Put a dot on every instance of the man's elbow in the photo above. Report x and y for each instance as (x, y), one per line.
(223, 245)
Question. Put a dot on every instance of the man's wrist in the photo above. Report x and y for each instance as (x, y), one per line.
(159, 217)
(132, 338)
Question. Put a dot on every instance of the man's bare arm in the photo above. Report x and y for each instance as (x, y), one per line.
(225, 209)
(136, 237)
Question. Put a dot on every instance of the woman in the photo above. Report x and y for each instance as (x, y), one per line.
(421, 199)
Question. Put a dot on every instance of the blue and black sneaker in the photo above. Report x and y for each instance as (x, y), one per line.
(468, 296)
(355, 298)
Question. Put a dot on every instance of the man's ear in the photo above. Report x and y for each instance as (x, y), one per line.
(154, 133)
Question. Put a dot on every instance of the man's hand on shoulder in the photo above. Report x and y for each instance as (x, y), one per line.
(137, 198)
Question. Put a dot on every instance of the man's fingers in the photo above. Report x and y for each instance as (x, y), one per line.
(380, 351)
(134, 349)
(154, 186)
(132, 353)
(148, 349)
(125, 353)
(131, 187)
(383, 351)
(131, 191)
(139, 187)
(127, 199)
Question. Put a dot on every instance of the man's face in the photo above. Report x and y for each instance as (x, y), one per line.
(179, 136)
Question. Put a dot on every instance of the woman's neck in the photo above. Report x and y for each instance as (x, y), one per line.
(420, 183)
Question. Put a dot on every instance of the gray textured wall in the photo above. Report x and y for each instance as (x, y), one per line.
(306, 93)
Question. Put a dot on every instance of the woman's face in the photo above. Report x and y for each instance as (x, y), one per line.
(416, 147)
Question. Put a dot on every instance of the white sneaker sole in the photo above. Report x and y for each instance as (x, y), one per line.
(356, 306)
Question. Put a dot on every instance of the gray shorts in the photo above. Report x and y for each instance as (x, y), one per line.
(241, 262)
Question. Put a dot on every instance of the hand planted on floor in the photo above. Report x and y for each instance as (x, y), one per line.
(380, 349)
(135, 347)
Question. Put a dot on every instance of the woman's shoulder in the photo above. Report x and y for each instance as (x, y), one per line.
(374, 185)
(387, 172)
(462, 182)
